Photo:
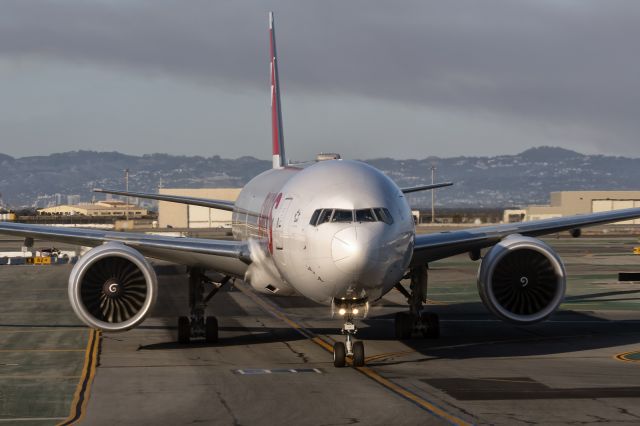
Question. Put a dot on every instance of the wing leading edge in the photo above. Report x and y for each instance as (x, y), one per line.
(230, 257)
(204, 202)
(431, 247)
(425, 187)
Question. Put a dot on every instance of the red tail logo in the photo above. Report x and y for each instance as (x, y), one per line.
(276, 112)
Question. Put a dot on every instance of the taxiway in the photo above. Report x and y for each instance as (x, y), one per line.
(272, 364)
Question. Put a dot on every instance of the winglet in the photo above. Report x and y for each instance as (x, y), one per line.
(276, 112)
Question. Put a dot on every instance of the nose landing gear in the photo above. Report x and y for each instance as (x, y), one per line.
(416, 320)
(349, 348)
(349, 309)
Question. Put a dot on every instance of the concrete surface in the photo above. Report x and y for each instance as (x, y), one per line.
(481, 370)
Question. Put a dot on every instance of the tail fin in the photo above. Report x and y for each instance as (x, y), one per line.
(276, 113)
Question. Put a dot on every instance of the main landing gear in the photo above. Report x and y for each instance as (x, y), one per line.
(349, 348)
(197, 325)
(416, 320)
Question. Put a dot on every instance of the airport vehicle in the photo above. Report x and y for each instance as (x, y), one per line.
(338, 232)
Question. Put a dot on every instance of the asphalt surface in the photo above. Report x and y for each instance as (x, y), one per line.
(271, 365)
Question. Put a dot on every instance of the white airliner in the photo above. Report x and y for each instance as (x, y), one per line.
(338, 232)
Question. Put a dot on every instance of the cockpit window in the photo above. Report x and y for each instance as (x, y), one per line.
(365, 215)
(314, 217)
(378, 214)
(384, 215)
(325, 216)
(342, 216)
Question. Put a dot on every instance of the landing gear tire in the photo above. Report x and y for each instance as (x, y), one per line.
(403, 325)
(339, 355)
(211, 330)
(358, 354)
(184, 330)
(431, 323)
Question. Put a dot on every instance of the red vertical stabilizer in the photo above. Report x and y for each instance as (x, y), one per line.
(276, 112)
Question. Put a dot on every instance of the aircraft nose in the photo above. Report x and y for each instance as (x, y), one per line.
(353, 248)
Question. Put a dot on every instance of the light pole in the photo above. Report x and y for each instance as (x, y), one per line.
(433, 195)
(126, 185)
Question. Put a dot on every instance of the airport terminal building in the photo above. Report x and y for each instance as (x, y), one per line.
(569, 203)
(107, 208)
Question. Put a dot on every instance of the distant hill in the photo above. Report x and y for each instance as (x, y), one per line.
(506, 180)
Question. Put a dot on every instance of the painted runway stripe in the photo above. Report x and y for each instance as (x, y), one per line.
(405, 393)
(260, 371)
(83, 389)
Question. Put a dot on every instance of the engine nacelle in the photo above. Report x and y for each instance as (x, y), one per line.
(522, 280)
(112, 287)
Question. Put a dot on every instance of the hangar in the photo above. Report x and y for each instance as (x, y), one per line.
(186, 216)
(569, 203)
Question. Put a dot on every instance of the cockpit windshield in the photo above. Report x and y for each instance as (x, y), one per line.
(365, 215)
(384, 215)
(342, 216)
(325, 216)
(377, 214)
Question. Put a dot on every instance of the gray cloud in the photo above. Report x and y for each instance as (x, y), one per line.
(570, 67)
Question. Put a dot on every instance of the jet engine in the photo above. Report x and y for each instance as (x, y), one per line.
(112, 287)
(521, 280)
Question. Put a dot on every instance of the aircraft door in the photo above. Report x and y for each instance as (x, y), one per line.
(279, 225)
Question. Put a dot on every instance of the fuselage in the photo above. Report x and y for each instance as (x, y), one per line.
(335, 229)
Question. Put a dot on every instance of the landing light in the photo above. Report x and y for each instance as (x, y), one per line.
(355, 311)
(342, 311)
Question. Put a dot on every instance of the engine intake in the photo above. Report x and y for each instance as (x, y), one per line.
(522, 280)
(112, 287)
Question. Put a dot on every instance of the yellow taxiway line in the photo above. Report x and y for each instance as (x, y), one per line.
(367, 371)
(83, 389)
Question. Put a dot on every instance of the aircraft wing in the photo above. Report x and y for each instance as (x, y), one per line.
(431, 247)
(204, 202)
(425, 187)
(229, 257)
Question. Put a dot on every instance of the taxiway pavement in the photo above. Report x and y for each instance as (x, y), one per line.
(271, 365)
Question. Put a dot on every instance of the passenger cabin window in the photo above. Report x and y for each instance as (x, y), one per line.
(365, 215)
(342, 216)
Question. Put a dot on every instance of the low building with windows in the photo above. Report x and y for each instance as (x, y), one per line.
(570, 203)
(109, 208)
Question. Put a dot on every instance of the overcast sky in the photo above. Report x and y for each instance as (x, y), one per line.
(403, 79)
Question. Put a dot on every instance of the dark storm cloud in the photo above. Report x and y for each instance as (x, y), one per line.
(565, 63)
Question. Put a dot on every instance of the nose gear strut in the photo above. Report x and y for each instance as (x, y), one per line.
(349, 348)
(417, 320)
